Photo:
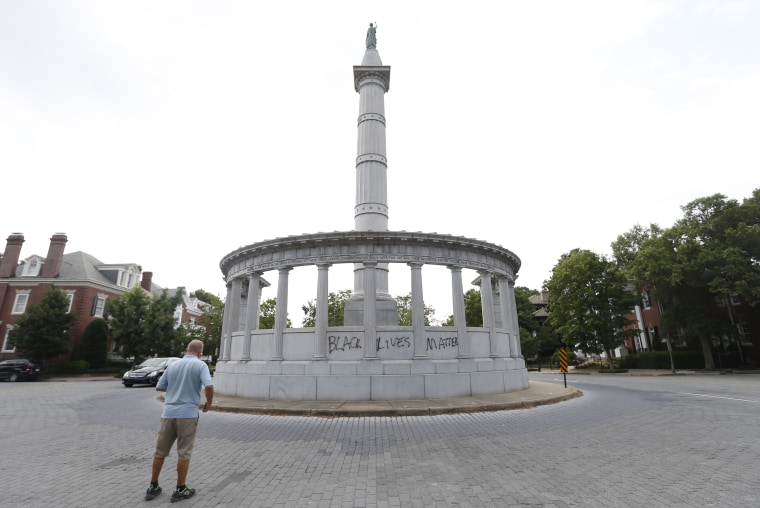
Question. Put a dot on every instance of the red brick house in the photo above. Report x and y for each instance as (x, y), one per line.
(89, 283)
(738, 349)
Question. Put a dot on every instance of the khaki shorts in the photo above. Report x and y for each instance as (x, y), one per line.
(181, 430)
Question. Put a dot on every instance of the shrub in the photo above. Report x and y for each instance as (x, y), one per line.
(94, 343)
(661, 360)
(76, 367)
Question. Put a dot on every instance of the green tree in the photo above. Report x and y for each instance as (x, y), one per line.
(93, 345)
(405, 311)
(336, 303)
(530, 345)
(473, 311)
(267, 314)
(588, 302)
(204, 296)
(144, 326)
(709, 256)
(211, 320)
(127, 313)
(161, 323)
(44, 330)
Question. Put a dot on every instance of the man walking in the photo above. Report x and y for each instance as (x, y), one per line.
(182, 383)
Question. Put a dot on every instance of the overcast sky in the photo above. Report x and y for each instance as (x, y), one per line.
(169, 133)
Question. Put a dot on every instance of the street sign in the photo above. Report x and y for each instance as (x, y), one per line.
(563, 364)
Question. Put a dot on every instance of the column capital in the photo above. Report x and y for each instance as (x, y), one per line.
(454, 268)
(324, 266)
(415, 264)
(369, 264)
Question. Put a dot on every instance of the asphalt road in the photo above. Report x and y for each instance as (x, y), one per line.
(690, 440)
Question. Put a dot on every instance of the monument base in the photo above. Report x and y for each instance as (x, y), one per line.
(386, 310)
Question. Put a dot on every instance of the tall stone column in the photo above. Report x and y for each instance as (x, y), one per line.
(489, 315)
(251, 312)
(234, 324)
(281, 312)
(418, 311)
(320, 335)
(457, 296)
(370, 319)
(371, 81)
(226, 332)
(516, 351)
(504, 308)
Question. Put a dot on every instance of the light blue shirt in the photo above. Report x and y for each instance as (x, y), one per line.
(182, 381)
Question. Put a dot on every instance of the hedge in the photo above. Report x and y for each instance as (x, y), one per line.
(661, 360)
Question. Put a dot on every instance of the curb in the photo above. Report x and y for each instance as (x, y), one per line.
(432, 407)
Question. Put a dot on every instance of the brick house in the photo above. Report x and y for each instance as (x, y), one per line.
(739, 349)
(89, 283)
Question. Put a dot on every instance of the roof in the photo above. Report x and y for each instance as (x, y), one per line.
(76, 266)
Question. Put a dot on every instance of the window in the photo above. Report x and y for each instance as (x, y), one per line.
(70, 295)
(19, 306)
(129, 281)
(6, 347)
(32, 267)
(676, 338)
(99, 305)
(743, 329)
(122, 276)
(646, 299)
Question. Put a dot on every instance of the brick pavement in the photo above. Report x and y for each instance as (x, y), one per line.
(663, 441)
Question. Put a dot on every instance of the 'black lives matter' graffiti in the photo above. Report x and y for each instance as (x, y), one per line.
(441, 343)
(393, 343)
(343, 343)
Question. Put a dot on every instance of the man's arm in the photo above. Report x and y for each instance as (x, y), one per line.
(209, 398)
(160, 389)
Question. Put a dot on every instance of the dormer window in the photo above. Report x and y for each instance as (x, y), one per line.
(32, 267)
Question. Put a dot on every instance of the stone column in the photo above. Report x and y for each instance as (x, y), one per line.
(371, 81)
(457, 296)
(486, 302)
(234, 323)
(320, 333)
(418, 311)
(504, 308)
(281, 312)
(370, 316)
(251, 312)
(226, 334)
(516, 350)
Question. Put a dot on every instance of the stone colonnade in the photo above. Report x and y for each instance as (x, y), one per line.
(369, 360)
(507, 309)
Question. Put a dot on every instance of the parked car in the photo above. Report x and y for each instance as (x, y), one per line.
(148, 372)
(18, 370)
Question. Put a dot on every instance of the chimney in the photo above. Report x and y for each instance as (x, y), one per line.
(54, 260)
(11, 255)
(147, 281)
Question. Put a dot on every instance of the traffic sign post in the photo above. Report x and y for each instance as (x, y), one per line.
(563, 364)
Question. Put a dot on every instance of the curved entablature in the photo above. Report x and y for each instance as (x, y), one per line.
(363, 246)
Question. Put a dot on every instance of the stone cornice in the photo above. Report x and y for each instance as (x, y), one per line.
(381, 73)
(361, 246)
